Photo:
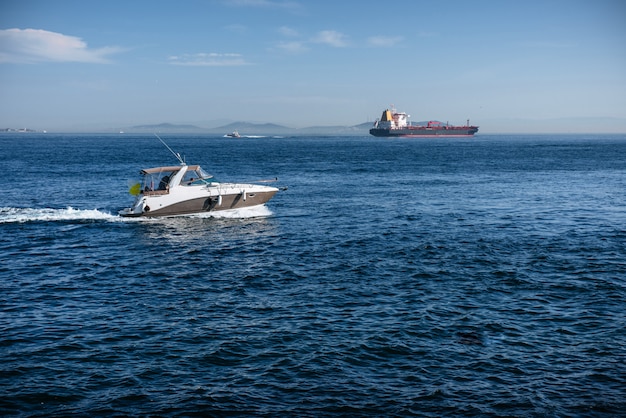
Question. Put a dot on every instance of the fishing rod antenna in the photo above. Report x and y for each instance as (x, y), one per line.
(176, 154)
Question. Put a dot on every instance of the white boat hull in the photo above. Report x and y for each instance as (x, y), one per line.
(193, 200)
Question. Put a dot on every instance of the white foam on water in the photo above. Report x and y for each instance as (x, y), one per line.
(17, 215)
(244, 213)
(20, 215)
(261, 211)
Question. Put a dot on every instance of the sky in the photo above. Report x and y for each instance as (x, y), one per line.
(506, 65)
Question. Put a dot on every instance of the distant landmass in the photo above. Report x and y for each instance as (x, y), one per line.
(249, 128)
(165, 127)
(17, 130)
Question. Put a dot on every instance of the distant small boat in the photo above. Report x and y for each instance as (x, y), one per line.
(233, 134)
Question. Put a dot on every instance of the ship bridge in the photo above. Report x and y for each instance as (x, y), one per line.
(391, 119)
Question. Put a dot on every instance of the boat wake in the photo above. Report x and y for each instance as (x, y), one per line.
(17, 215)
(261, 211)
(20, 215)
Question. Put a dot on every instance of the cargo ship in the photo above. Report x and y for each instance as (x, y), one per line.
(393, 123)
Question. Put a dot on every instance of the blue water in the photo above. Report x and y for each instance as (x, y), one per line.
(404, 277)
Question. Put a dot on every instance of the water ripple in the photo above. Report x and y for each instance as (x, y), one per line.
(393, 278)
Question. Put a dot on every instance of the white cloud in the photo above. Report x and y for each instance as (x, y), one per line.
(384, 41)
(287, 31)
(208, 60)
(293, 47)
(36, 45)
(332, 38)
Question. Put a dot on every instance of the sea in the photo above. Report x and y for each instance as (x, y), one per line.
(449, 277)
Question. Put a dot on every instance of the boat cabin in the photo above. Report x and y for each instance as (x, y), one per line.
(159, 180)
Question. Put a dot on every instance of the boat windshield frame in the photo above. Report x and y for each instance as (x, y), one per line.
(196, 176)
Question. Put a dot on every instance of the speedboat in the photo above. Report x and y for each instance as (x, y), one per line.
(233, 134)
(188, 189)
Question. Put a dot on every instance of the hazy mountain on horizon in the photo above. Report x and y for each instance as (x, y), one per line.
(249, 128)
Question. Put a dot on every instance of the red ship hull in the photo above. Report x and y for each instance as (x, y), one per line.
(396, 124)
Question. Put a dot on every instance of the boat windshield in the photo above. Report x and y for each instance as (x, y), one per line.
(197, 176)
